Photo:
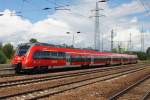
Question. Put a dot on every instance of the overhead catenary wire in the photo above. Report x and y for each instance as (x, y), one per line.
(70, 11)
(147, 10)
(21, 10)
(58, 6)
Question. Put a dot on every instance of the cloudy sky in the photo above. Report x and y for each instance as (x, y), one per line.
(49, 20)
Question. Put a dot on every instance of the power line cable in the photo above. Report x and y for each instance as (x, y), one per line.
(146, 9)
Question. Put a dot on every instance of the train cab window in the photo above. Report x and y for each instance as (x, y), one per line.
(22, 50)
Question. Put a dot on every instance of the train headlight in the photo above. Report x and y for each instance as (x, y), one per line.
(19, 58)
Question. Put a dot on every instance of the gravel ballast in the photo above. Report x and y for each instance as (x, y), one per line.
(101, 90)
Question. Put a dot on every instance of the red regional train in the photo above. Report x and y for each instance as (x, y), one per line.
(42, 56)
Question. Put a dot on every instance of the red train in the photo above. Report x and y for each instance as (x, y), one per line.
(43, 56)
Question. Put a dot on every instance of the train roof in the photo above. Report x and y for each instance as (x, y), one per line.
(76, 50)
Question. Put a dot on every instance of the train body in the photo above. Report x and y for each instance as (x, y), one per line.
(43, 56)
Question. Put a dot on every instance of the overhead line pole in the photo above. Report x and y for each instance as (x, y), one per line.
(130, 43)
(112, 41)
(97, 33)
(97, 26)
(142, 39)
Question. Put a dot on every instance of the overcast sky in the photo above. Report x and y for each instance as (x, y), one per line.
(24, 19)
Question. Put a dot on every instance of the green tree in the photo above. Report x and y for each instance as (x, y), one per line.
(148, 51)
(8, 50)
(141, 55)
(1, 45)
(33, 40)
(114, 50)
(3, 58)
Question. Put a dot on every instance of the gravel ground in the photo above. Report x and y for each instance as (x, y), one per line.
(13, 78)
(5, 79)
(138, 92)
(43, 85)
(101, 90)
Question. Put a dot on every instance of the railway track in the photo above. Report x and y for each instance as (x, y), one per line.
(135, 91)
(67, 85)
(146, 96)
(6, 70)
(58, 76)
(38, 94)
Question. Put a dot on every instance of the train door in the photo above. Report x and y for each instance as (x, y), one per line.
(111, 60)
(108, 60)
(121, 60)
(68, 60)
(92, 60)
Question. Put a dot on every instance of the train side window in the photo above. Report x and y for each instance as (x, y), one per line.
(48, 55)
(54, 54)
(80, 59)
(41, 55)
(37, 54)
(88, 59)
(72, 59)
(45, 55)
(76, 59)
(99, 59)
(61, 54)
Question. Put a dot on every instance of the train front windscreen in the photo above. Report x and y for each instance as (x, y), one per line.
(22, 50)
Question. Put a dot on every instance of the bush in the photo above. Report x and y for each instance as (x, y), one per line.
(8, 49)
(141, 55)
(3, 58)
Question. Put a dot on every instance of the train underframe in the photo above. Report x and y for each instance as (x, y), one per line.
(20, 69)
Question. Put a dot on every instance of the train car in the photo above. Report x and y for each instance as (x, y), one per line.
(41, 56)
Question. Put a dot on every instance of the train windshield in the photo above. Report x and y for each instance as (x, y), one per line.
(22, 50)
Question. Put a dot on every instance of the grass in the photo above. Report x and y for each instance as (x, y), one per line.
(8, 61)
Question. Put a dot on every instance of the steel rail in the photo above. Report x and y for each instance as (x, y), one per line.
(48, 78)
(65, 84)
(102, 68)
(145, 97)
(117, 95)
(52, 77)
(6, 72)
(73, 84)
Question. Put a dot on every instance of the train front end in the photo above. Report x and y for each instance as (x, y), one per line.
(20, 57)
